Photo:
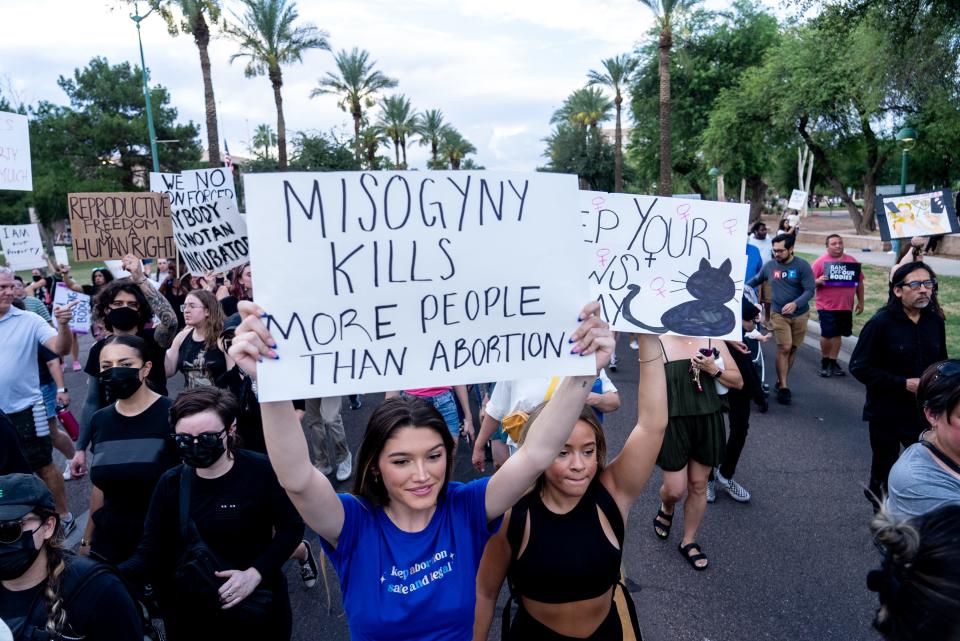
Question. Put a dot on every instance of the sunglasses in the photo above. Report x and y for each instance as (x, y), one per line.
(206, 439)
(11, 531)
(948, 368)
(917, 284)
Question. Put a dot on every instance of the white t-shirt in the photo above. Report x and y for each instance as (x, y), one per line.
(525, 394)
(765, 246)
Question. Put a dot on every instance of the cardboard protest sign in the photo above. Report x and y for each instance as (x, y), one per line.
(60, 255)
(22, 246)
(15, 168)
(396, 280)
(80, 321)
(927, 214)
(666, 265)
(211, 237)
(112, 225)
(798, 200)
(841, 274)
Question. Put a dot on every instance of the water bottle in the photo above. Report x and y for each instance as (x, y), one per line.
(69, 421)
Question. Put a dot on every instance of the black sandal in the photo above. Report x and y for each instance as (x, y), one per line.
(693, 558)
(663, 525)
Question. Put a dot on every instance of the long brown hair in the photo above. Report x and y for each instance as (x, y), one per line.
(588, 416)
(393, 414)
(56, 614)
(212, 325)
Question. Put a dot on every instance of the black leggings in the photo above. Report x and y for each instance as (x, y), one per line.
(739, 426)
(885, 441)
(525, 628)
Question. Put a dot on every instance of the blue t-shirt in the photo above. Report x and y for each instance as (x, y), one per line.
(417, 586)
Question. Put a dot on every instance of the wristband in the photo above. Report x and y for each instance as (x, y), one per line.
(61, 390)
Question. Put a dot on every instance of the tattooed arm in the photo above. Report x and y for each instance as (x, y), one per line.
(164, 332)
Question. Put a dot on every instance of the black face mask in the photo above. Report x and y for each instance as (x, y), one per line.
(17, 557)
(121, 382)
(203, 453)
(123, 318)
(37, 279)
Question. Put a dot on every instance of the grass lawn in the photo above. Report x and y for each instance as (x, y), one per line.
(875, 296)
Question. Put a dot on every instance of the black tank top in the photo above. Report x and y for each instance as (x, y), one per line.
(568, 556)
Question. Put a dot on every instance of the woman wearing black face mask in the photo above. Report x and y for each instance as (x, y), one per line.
(46, 592)
(131, 448)
(240, 512)
(125, 306)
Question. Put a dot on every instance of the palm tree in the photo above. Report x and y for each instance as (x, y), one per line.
(268, 38)
(356, 83)
(263, 136)
(584, 107)
(454, 147)
(398, 121)
(371, 137)
(664, 10)
(194, 20)
(430, 129)
(616, 71)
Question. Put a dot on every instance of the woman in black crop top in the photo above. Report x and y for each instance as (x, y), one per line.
(561, 545)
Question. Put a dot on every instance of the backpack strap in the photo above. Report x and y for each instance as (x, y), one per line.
(610, 509)
(186, 482)
(515, 528)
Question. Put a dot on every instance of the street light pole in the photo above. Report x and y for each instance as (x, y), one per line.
(906, 137)
(137, 18)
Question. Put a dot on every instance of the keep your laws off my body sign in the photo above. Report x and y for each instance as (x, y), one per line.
(392, 280)
(666, 265)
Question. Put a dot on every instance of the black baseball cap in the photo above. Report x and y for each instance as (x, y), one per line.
(749, 310)
(21, 494)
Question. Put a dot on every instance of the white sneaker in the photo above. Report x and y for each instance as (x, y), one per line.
(736, 491)
(711, 491)
(345, 468)
(67, 476)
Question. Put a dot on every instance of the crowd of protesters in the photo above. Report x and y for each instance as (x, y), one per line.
(198, 500)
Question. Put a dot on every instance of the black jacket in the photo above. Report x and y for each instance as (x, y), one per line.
(891, 349)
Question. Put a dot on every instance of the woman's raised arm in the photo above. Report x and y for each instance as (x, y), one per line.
(309, 490)
(552, 427)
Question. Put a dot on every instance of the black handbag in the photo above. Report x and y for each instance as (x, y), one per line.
(195, 581)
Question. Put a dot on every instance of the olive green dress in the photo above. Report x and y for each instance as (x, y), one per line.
(695, 428)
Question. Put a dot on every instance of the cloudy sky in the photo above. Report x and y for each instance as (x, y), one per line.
(496, 68)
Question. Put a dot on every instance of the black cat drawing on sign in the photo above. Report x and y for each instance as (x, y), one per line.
(706, 315)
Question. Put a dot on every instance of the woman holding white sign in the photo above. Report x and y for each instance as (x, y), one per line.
(407, 542)
(577, 512)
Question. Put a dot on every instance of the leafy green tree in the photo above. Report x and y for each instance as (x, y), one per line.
(322, 152)
(469, 164)
(585, 107)
(454, 147)
(194, 17)
(664, 11)
(371, 137)
(430, 127)
(575, 149)
(711, 51)
(398, 121)
(356, 82)
(264, 136)
(269, 37)
(614, 76)
(99, 142)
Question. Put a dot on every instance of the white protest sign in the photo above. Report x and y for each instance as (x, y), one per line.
(22, 246)
(666, 265)
(60, 255)
(396, 280)
(211, 237)
(80, 321)
(195, 186)
(15, 169)
(798, 200)
(116, 268)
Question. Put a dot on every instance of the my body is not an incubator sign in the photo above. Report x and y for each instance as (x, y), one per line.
(416, 279)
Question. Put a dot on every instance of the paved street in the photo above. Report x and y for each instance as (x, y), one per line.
(791, 564)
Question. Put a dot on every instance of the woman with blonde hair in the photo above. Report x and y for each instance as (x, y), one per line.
(45, 591)
(195, 350)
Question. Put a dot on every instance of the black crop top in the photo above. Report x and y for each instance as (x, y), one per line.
(568, 556)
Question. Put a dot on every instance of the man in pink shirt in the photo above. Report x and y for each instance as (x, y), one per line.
(838, 276)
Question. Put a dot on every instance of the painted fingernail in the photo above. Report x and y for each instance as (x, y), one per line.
(579, 319)
(570, 340)
(260, 359)
(273, 345)
(574, 351)
(276, 356)
(263, 314)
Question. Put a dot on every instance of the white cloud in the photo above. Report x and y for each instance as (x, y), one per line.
(497, 69)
